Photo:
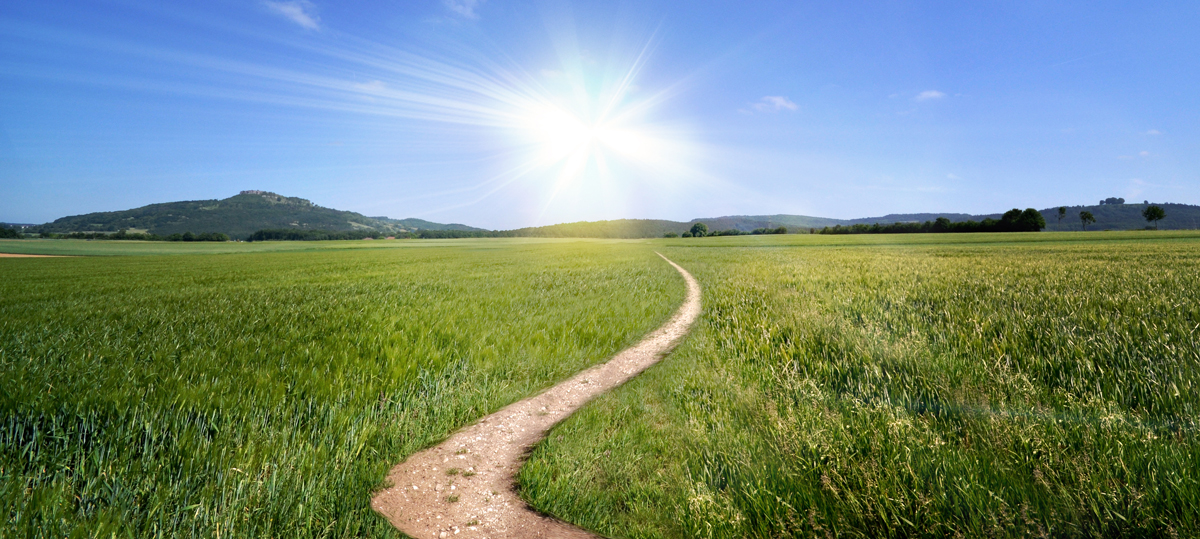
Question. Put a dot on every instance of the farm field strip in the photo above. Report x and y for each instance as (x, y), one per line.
(267, 394)
(1001, 390)
(153, 248)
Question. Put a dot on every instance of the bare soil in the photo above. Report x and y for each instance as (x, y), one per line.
(466, 486)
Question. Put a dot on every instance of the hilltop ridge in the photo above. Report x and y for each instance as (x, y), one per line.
(249, 211)
(238, 216)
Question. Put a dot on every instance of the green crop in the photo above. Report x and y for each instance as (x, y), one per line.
(920, 386)
(267, 394)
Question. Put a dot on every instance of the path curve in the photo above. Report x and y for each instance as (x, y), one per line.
(477, 466)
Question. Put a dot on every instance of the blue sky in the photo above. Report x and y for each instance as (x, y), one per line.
(500, 113)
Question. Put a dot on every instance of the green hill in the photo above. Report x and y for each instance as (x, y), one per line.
(1125, 217)
(238, 216)
(412, 223)
(250, 211)
(1108, 216)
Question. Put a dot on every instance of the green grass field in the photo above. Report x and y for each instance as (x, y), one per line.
(905, 385)
(138, 248)
(267, 394)
(968, 385)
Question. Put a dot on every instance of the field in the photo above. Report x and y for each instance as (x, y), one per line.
(907, 385)
(267, 394)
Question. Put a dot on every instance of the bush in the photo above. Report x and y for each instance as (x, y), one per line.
(671, 235)
(1013, 220)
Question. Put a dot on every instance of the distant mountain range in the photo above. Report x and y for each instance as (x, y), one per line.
(1108, 216)
(250, 211)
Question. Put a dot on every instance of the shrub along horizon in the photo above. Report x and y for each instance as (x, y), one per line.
(125, 235)
(1013, 220)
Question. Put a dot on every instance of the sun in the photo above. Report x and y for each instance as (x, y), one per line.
(561, 136)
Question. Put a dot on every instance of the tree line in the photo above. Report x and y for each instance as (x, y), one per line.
(136, 236)
(1013, 220)
(289, 234)
(700, 230)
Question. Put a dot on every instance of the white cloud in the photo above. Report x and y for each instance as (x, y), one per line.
(465, 8)
(298, 11)
(1153, 132)
(929, 94)
(774, 103)
(952, 176)
(1144, 153)
(374, 87)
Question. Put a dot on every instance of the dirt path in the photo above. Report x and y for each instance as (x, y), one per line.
(466, 486)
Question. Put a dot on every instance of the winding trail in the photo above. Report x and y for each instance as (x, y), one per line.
(466, 486)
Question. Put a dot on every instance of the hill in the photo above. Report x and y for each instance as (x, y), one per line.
(241, 215)
(1125, 217)
(1108, 217)
(412, 223)
(238, 216)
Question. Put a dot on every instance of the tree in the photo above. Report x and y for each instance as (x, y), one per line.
(1031, 220)
(699, 230)
(686, 235)
(1062, 212)
(1154, 214)
(1086, 217)
(670, 235)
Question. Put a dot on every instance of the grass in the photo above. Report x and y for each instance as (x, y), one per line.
(267, 394)
(131, 248)
(956, 385)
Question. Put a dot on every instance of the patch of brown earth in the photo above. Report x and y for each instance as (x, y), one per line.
(466, 486)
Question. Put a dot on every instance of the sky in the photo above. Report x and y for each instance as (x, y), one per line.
(503, 113)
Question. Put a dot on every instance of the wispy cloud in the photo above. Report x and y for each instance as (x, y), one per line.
(929, 94)
(774, 103)
(1153, 132)
(1144, 153)
(374, 87)
(301, 12)
(465, 8)
(953, 176)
